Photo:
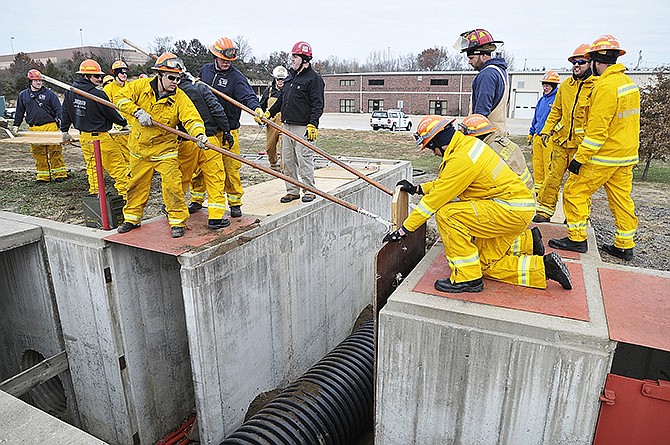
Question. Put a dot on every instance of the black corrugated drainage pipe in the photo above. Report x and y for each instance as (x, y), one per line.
(330, 404)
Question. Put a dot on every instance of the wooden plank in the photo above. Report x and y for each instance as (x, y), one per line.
(30, 378)
(399, 207)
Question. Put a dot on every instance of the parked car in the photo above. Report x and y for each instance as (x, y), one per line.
(390, 119)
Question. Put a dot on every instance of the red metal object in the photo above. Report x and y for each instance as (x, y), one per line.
(634, 411)
(102, 194)
(179, 436)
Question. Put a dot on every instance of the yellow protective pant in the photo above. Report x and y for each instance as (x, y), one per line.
(139, 186)
(112, 161)
(618, 183)
(541, 157)
(272, 139)
(49, 162)
(548, 194)
(210, 164)
(477, 236)
(233, 183)
(122, 140)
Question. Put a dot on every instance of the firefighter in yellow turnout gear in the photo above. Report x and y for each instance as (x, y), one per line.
(120, 79)
(564, 130)
(481, 206)
(154, 149)
(607, 154)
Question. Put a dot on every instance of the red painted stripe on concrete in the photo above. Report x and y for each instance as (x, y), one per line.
(637, 307)
(554, 300)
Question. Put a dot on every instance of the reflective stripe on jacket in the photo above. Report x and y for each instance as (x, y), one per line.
(612, 135)
(470, 171)
(566, 118)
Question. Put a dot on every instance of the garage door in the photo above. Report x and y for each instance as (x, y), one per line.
(524, 104)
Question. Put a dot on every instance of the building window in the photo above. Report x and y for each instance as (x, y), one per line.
(438, 107)
(375, 81)
(521, 84)
(439, 81)
(346, 105)
(375, 104)
(346, 82)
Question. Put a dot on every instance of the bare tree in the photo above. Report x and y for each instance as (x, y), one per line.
(244, 50)
(655, 121)
(161, 45)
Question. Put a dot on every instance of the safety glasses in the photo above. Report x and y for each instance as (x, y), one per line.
(172, 78)
(229, 53)
(580, 62)
(99, 76)
(123, 72)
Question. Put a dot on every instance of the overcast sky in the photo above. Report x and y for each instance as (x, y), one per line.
(539, 33)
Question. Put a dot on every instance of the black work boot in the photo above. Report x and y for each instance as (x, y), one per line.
(624, 254)
(567, 244)
(164, 211)
(540, 218)
(538, 246)
(235, 211)
(445, 285)
(556, 270)
(127, 227)
(177, 232)
(194, 207)
(218, 223)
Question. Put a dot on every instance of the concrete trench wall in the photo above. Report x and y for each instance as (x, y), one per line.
(151, 337)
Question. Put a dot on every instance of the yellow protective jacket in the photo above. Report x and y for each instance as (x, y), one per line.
(566, 118)
(470, 171)
(112, 90)
(612, 135)
(154, 143)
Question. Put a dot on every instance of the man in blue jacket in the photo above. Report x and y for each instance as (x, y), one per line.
(542, 151)
(490, 88)
(301, 106)
(223, 76)
(42, 111)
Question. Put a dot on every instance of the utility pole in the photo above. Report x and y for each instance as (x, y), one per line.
(524, 64)
(81, 39)
(11, 42)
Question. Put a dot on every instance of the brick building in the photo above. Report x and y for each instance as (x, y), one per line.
(428, 92)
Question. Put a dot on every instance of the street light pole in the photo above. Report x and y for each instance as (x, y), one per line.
(11, 42)
(81, 38)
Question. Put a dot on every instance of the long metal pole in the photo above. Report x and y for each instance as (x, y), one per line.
(281, 129)
(228, 153)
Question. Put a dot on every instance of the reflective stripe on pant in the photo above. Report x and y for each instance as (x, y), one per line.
(541, 158)
(298, 159)
(198, 187)
(49, 162)
(210, 164)
(112, 161)
(139, 186)
(272, 139)
(522, 244)
(494, 229)
(618, 183)
(233, 183)
(548, 195)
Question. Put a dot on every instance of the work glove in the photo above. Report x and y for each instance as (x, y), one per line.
(529, 139)
(408, 187)
(202, 140)
(15, 130)
(545, 138)
(312, 133)
(267, 115)
(143, 117)
(259, 114)
(65, 137)
(395, 236)
(574, 166)
(228, 139)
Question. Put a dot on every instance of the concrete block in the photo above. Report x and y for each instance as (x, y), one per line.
(452, 371)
